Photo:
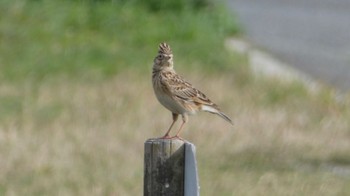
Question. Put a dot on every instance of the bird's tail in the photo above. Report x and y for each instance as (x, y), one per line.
(216, 111)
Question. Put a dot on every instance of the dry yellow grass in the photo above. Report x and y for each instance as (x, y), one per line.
(85, 137)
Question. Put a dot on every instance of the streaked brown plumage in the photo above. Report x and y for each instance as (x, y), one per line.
(177, 95)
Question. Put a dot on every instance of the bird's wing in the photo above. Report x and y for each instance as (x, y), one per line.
(184, 91)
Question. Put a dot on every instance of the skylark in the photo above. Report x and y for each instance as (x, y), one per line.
(177, 95)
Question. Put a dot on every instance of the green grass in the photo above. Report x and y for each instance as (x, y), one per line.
(39, 39)
(77, 104)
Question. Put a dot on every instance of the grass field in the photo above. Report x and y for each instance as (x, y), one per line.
(77, 105)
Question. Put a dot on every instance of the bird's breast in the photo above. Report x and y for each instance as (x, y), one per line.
(166, 98)
(168, 102)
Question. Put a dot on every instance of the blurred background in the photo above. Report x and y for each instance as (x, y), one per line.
(77, 104)
(312, 36)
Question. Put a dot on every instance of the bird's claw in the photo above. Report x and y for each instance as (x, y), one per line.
(168, 137)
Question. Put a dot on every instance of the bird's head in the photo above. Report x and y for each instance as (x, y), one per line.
(164, 58)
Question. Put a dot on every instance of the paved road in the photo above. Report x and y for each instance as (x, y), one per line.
(311, 35)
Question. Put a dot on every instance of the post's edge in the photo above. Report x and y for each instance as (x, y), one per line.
(191, 171)
(190, 145)
(161, 140)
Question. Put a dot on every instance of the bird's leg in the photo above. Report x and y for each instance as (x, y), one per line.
(166, 136)
(184, 120)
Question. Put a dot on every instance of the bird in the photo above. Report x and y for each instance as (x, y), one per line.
(176, 94)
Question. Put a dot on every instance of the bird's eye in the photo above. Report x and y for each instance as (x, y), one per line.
(160, 56)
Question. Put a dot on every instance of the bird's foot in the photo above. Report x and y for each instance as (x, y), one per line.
(166, 136)
(177, 137)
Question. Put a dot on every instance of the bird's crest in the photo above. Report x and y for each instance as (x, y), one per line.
(164, 48)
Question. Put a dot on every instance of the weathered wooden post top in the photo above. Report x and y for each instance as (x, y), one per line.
(170, 168)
